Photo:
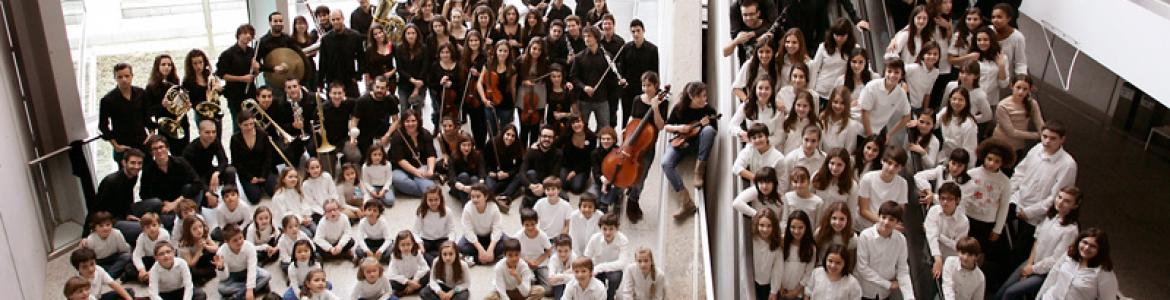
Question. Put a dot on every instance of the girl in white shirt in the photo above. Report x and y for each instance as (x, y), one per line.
(922, 74)
(836, 228)
(765, 193)
(763, 63)
(408, 271)
(798, 81)
(987, 208)
(1053, 236)
(372, 235)
(377, 177)
(371, 284)
(792, 53)
(855, 78)
(992, 72)
(832, 57)
(318, 187)
(840, 130)
(921, 138)
(957, 125)
(834, 182)
(349, 185)
(433, 223)
(962, 39)
(911, 40)
(962, 279)
(766, 258)
(289, 200)
(801, 197)
(1011, 40)
(801, 114)
(760, 108)
(835, 280)
(953, 171)
(450, 276)
(304, 260)
(315, 287)
(1085, 272)
(263, 235)
(170, 278)
(869, 156)
(642, 279)
(799, 255)
(481, 228)
(290, 235)
(976, 99)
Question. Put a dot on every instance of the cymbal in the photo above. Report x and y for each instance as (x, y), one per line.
(294, 66)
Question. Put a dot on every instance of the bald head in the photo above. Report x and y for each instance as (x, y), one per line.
(337, 19)
(207, 132)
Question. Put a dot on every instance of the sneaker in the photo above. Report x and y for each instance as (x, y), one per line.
(469, 260)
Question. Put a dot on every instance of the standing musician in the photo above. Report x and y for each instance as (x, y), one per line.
(533, 92)
(562, 101)
(595, 13)
(498, 81)
(559, 11)
(612, 43)
(411, 57)
(446, 83)
(558, 43)
(236, 65)
(362, 16)
(122, 113)
(638, 57)
(341, 50)
(534, 27)
(588, 67)
(379, 59)
(274, 39)
(508, 29)
(474, 58)
(197, 69)
(694, 118)
(648, 108)
(420, 15)
(373, 113)
(574, 32)
(162, 77)
(324, 25)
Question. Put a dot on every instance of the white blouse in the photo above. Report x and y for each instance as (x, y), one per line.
(433, 226)
(637, 285)
(318, 190)
(921, 80)
(1052, 241)
(827, 68)
(791, 139)
(957, 134)
(980, 108)
(1069, 281)
(810, 206)
(767, 264)
(834, 136)
(771, 117)
(820, 287)
(960, 283)
(795, 272)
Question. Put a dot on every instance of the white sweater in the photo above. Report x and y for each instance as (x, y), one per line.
(960, 283)
(880, 260)
(637, 285)
(1068, 280)
(318, 190)
(476, 223)
(377, 231)
(432, 226)
(113, 244)
(595, 290)
(943, 232)
(1052, 241)
(260, 238)
(286, 243)
(409, 267)
(820, 287)
(989, 201)
(144, 247)
(1013, 48)
(287, 202)
(767, 264)
(582, 228)
(241, 216)
(363, 289)
(243, 261)
(163, 280)
(608, 256)
(332, 233)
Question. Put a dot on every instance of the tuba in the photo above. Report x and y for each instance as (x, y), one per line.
(178, 103)
(384, 15)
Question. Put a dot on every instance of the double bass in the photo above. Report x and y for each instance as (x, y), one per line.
(623, 167)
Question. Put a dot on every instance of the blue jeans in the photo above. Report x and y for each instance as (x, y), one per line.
(599, 108)
(465, 179)
(466, 248)
(234, 286)
(700, 145)
(387, 199)
(1021, 288)
(409, 184)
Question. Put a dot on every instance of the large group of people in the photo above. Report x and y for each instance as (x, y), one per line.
(830, 148)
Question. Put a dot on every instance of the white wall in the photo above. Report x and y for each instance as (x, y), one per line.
(22, 228)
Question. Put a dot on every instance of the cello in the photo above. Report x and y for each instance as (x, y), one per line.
(622, 167)
(530, 112)
(449, 97)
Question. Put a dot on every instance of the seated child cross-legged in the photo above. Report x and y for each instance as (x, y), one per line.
(239, 274)
(372, 235)
(608, 249)
(513, 278)
(450, 276)
(108, 244)
(408, 269)
(642, 279)
(170, 277)
(481, 228)
(333, 237)
(535, 247)
(143, 257)
(371, 284)
(584, 286)
(102, 286)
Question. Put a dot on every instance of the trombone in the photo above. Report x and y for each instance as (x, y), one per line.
(253, 107)
(323, 146)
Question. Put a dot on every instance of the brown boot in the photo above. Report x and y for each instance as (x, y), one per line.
(700, 173)
(687, 206)
(504, 204)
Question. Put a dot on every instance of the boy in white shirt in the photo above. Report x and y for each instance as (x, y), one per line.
(885, 100)
(1041, 174)
(877, 187)
(102, 286)
(535, 247)
(143, 256)
(945, 225)
(882, 268)
(554, 212)
(170, 277)
(584, 286)
(236, 266)
(583, 222)
(512, 279)
(333, 236)
(110, 247)
(233, 211)
(560, 265)
(608, 250)
(757, 155)
(373, 235)
(961, 276)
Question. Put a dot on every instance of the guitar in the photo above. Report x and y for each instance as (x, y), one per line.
(679, 140)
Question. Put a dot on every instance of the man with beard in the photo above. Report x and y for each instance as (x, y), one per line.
(373, 113)
(340, 51)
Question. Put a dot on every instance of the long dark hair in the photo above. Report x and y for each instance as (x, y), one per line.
(960, 156)
(156, 76)
(751, 108)
(806, 243)
(1074, 216)
(964, 39)
(824, 176)
(440, 268)
(866, 75)
(992, 50)
(841, 27)
(825, 230)
(773, 240)
(768, 174)
(1102, 259)
(859, 154)
(959, 114)
(754, 63)
(790, 121)
(415, 49)
(190, 74)
(925, 34)
(828, 117)
(684, 101)
(917, 137)
(471, 159)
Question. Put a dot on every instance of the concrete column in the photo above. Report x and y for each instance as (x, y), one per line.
(258, 11)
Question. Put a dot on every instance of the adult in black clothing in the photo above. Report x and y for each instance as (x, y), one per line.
(274, 39)
(583, 7)
(559, 11)
(362, 16)
(562, 101)
(577, 142)
(467, 167)
(750, 19)
(412, 58)
(373, 113)
(533, 74)
(324, 25)
(588, 67)
(379, 59)
(281, 113)
(693, 116)
(422, 11)
(195, 82)
(115, 195)
(341, 51)
(533, 27)
(169, 179)
(162, 77)
(338, 110)
(122, 114)
(412, 151)
(508, 29)
(543, 158)
(208, 158)
(446, 75)
(504, 155)
(252, 158)
(575, 33)
(558, 44)
(812, 17)
(474, 57)
(652, 110)
(298, 97)
(640, 56)
(237, 68)
(594, 15)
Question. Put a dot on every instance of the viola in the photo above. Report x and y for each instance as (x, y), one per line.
(622, 167)
(471, 96)
(679, 140)
(491, 87)
(530, 113)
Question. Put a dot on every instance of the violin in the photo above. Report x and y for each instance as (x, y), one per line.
(622, 167)
(470, 96)
(680, 139)
(491, 87)
(449, 108)
(530, 113)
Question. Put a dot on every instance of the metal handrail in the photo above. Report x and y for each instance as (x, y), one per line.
(49, 155)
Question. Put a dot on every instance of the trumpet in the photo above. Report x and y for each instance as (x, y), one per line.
(252, 106)
(177, 102)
